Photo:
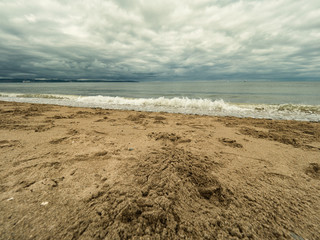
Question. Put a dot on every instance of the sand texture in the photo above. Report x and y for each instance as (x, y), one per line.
(78, 173)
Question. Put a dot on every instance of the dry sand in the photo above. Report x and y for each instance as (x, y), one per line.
(77, 173)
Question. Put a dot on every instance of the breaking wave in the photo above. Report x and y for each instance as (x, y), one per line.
(177, 105)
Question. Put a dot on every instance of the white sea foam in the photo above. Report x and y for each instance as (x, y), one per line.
(177, 105)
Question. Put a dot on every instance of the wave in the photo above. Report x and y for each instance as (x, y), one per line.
(183, 105)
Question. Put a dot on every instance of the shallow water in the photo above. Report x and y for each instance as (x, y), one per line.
(258, 99)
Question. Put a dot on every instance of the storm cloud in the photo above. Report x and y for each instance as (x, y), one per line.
(160, 39)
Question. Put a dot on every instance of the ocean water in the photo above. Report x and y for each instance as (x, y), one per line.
(257, 99)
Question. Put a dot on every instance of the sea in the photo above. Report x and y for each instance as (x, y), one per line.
(288, 100)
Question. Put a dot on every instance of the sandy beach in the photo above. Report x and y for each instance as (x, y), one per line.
(80, 173)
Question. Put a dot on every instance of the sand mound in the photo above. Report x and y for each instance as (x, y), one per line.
(171, 194)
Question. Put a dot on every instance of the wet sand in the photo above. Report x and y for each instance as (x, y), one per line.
(79, 173)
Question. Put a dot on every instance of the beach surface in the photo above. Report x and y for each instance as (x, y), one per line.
(81, 173)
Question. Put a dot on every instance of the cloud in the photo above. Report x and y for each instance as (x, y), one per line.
(160, 39)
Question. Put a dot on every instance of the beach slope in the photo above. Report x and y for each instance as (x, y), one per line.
(80, 173)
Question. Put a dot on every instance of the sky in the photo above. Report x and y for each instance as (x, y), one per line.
(160, 39)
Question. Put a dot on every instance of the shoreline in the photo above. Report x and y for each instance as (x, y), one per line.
(290, 112)
(74, 172)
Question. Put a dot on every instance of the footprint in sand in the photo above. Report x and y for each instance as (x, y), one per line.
(168, 137)
(231, 143)
(9, 143)
(313, 170)
(59, 140)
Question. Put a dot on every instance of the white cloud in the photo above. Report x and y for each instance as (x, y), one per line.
(168, 39)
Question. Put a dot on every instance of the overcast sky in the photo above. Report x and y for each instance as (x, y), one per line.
(160, 39)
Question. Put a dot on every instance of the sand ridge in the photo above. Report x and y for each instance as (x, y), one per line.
(79, 173)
